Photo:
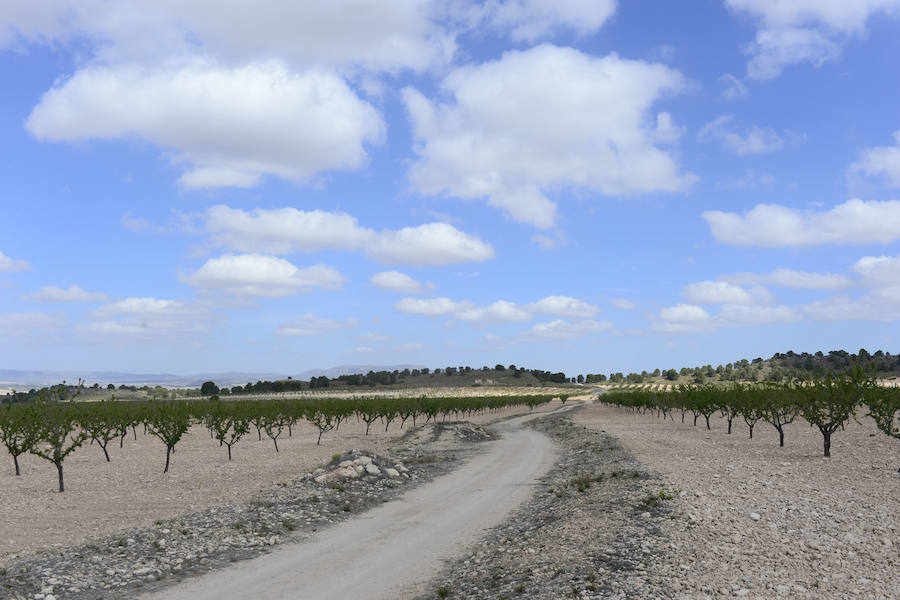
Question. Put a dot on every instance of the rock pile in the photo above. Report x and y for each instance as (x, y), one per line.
(356, 464)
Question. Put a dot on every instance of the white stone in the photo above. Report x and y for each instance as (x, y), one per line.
(373, 469)
(392, 472)
(363, 460)
(755, 516)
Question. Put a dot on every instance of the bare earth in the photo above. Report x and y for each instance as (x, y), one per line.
(132, 490)
(393, 549)
(760, 521)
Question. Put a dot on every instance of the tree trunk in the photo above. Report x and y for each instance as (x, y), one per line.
(229, 452)
(16, 461)
(168, 453)
(276, 444)
(319, 441)
(707, 422)
(827, 440)
(695, 419)
(781, 437)
(729, 426)
(751, 430)
(62, 486)
(105, 453)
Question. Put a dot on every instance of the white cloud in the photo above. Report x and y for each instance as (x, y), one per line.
(564, 306)
(374, 337)
(149, 318)
(561, 329)
(428, 244)
(498, 311)
(73, 293)
(772, 225)
(683, 318)
(346, 34)
(8, 265)
(804, 31)
(537, 120)
(879, 270)
(31, 326)
(734, 87)
(881, 306)
(881, 161)
(529, 20)
(284, 230)
(689, 318)
(431, 306)
(261, 275)
(721, 292)
(756, 140)
(396, 282)
(623, 304)
(229, 125)
(310, 324)
(791, 278)
(544, 242)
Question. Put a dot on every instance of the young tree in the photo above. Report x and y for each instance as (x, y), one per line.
(18, 431)
(827, 403)
(100, 422)
(57, 432)
(168, 421)
(780, 408)
(229, 423)
(884, 407)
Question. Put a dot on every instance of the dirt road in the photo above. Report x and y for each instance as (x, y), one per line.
(393, 550)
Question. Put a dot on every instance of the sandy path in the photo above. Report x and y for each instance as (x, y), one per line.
(392, 551)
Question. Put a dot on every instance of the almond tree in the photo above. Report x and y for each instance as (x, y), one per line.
(57, 431)
(168, 421)
(884, 407)
(780, 408)
(828, 403)
(18, 431)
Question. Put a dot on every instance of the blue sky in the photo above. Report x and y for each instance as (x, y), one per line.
(587, 186)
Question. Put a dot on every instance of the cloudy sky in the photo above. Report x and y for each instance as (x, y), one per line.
(578, 185)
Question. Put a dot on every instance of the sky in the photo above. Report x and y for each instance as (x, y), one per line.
(587, 186)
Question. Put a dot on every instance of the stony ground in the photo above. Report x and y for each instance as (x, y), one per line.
(759, 521)
(643, 508)
(131, 491)
(126, 564)
(595, 529)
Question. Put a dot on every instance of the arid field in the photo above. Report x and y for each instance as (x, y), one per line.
(132, 490)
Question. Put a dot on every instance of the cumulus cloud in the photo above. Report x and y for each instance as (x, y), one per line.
(428, 244)
(229, 126)
(564, 306)
(690, 318)
(772, 225)
(791, 278)
(147, 318)
(881, 306)
(31, 326)
(561, 329)
(344, 34)
(756, 140)
(396, 282)
(310, 324)
(879, 270)
(883, 161)
(721, 292)
(496, 312)
(431, 306)
(261, 275)
(804, 31)
(8, 265)
(286, 230)
(73, 293)
(529, 20)
(516, 128)
(683, 318)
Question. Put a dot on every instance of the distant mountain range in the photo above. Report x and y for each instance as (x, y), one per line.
(10, 378)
